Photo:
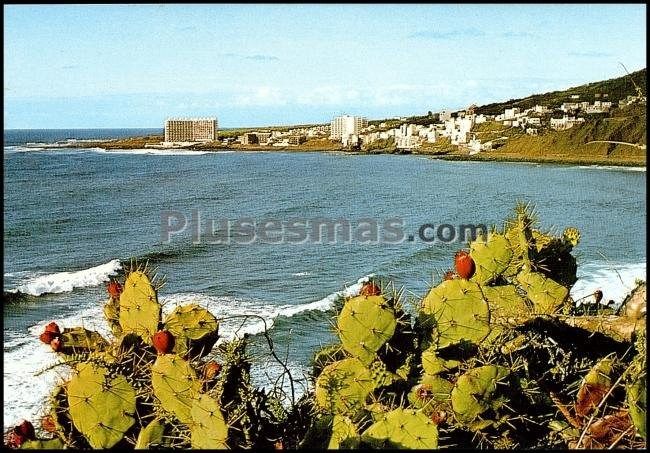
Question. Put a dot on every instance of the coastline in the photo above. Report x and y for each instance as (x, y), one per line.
(550, 158)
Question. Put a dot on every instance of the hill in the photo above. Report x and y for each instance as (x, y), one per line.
(616, 89)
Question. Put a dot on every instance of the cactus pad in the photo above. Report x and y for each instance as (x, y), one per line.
(192, 324)
(43, 444)
(458, 312)
(472, 394)
(433, 365)
(365, 324)
(101, 408)
(343, 386)
(403, 428)
(344, 434)
(175, 384)
(547, 296)
(139, 308)
(572, 236)
(504, 302)
(637, 403)
(492, 257)
(79, 339)
(430, 392)
(151, 435)
(209, 429)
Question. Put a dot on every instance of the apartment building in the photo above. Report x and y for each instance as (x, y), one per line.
(346, 125)
(191, 129)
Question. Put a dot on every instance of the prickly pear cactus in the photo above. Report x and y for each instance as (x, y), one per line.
(457, 311)
(101, 408)
(472, 394)
(112, 315)
(192, 326)
(151, 435)
(402, 428)
(209, 429)
(636, 397)
(343, 386)
(344, 434)
(433, 365)
(43, 444)
(364, 325)
(504, 302)
(547, 296)
(492, 256)
(175, 385)
(81, 339)
(430, 392)
(572, 236)
(139, 308)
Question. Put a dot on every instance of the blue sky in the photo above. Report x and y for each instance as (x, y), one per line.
(85, 66)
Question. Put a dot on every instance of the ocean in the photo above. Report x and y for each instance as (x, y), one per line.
(75, 216)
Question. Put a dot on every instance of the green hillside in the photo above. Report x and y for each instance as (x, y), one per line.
(616, 89)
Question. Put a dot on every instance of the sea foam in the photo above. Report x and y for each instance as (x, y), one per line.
(614, 280)
(62, 282)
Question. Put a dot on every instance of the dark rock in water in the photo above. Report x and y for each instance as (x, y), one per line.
(10, 297)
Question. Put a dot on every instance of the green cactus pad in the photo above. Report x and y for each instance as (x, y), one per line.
(139, 308)
(472, 394)
(112, 315)
(547, 296)
(432, 364)
(504, 302)
(209, 429)
(403, 428)
(491, 256)
(364, 325)
(192, 326)
(572, 236)
(43, 444)
(151, 435)
(175, 385)
(343, 387)
(344, 434)
(430, 392)
(457, 311)
(101, 408)
(637, 403)
(380, 375)
(78, 339)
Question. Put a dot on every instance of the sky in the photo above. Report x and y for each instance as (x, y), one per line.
(113, 66)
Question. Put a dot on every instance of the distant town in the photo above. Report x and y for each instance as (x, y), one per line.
(459, 129)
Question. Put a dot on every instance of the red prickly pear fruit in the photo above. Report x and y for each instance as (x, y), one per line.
(26, 429)
(211, 370)
(52, 327)
(449, 275)
(598, 294)
(56, 344)
(163, 341)
(464, 264)
(370, 289)
(114, 289)
(48, 424)
(47, 337)
(14, 439)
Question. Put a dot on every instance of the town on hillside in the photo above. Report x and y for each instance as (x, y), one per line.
(465, 130)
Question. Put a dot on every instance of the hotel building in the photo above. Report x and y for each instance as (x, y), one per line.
(190, 129)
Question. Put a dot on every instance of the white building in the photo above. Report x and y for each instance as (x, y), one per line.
(509, 114)
(342, 127)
